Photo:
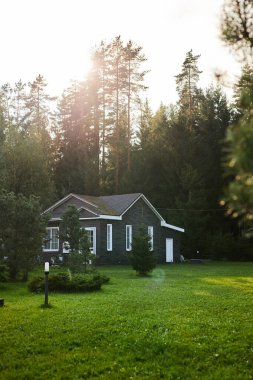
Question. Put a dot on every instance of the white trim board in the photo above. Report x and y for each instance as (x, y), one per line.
(164, 224)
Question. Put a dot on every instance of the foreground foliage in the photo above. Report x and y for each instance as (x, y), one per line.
(185, 321)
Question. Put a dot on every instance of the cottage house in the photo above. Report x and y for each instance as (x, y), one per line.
(111, 222)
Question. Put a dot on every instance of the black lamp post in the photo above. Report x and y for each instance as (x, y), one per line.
(46, 282)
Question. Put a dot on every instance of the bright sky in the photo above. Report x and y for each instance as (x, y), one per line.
(54, 37)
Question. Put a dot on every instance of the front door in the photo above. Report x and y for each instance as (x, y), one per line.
(169, 250)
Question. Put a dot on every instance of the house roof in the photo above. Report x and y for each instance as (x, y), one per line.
(111, 207)
(112, 204)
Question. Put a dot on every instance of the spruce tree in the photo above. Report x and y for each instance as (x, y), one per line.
(142, 257)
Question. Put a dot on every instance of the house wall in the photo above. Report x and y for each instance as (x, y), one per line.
(172, 234)
(138, 215)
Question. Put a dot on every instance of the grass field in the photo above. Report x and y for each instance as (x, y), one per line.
(184, 322)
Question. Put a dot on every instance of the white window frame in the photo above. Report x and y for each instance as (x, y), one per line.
(151, 237)
(129, 235)
(93, 249)
(50, 241)
(109, 237)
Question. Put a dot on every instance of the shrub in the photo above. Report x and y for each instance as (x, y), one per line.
(65, 282)
(4, 273)
(142, 258)
(36, 284)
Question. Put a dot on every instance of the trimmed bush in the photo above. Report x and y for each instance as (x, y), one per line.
(65, 282)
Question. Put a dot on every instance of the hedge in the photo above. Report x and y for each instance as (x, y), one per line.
(65, 282)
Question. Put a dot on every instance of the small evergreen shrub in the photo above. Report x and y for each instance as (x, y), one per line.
(65, 282)
(142, 258)
(80, 262)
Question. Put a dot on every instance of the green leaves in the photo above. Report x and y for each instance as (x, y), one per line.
(21, 232)
(238, 195)
(237, 27)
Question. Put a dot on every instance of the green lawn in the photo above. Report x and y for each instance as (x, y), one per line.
(184, 322)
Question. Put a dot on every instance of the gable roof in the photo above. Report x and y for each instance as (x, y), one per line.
(111, 206)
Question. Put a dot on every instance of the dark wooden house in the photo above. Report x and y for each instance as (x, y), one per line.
(111, 222)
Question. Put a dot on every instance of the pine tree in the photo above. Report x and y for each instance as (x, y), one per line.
(25, 163)
(38, 108)
(100, 73)
(117, 75)
(76, 168)
(121, 81)
(138, 180)
(189, 93)
(134, 58)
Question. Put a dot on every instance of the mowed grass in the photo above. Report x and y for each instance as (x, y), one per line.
(185, 321)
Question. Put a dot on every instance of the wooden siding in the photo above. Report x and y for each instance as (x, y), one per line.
(72, 201)
(138, 215)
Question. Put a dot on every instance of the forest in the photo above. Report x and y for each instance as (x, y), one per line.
(101, 137)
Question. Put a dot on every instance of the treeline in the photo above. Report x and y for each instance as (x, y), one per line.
(104, 139)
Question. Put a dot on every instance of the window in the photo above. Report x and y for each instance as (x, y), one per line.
(151, 237)
(128, 238)
(91, 232)
(52, 239)
(109, 237)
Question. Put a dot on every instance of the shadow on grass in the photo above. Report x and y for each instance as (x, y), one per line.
(49, 306)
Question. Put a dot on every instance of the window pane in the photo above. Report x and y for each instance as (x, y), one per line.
(91, 234)
(128, 237)
(109, 237)
(91, 239)
(151, 235)
(47, 239)
(51, 240)
(55, 240)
